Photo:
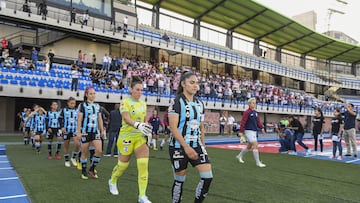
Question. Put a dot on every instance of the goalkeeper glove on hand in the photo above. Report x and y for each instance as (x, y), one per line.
(148, 138)
(143, 127)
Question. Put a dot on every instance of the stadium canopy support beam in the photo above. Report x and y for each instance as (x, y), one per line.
(211, 9)
(247, 20)
(196, 29)
(277, 29)
(155, 21)
(256, 50)
(341, 53)
(319, 47)
(278, 54)
(296, 39)
(229, 39)
(303, 61)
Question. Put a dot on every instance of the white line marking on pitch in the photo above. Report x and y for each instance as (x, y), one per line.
(353, 160)
(1, 162)
(10, 178)
(6, 168)
(13, 196)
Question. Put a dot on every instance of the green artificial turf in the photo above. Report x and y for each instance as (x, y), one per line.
(285, 179)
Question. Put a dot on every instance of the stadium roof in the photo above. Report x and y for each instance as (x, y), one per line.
(254, 20)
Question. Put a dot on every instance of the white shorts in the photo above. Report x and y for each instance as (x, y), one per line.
(250, 135)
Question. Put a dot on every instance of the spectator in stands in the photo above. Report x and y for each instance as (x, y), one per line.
(72, 15)
(30, 65)
(46, 64)
(165, 37)
(84, 61)
(93, 61)
(74, 78)
(126, 21)
(4, 44)
(34, 56)
(51, 56)
(43, 9)
(85, 17)
(349, 130)
(105, 63)
(26, 7)
(79, 58)
(18, 55)
(109, 63)
(22, 63)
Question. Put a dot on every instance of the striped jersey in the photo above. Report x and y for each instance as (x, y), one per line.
(30, 122)
(68, 119)
(53, 119)
(39, 122)
(191, 114)
(91, 113)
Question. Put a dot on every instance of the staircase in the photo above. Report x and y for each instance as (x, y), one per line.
(331, 93)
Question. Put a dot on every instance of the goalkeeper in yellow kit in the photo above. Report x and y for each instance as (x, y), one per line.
(132, 140)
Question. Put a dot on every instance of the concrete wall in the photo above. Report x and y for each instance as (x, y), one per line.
(69, 48)
(7, 115)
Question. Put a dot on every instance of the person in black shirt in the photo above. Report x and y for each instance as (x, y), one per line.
(317, 128)
(349, 130)
(298, 134)
(115, 124)
(337, 125)
(51, 56)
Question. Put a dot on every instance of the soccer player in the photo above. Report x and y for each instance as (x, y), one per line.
(250, 125)
(317, 128)
(53, 130)
(186, 120)
(39, 125)
(88, 127)
(131, 140)
(337, 125)
(166, 130)
(155, 122)
(68, 124)
(27, 126)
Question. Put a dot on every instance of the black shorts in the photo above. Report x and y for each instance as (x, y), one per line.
(68, 136)
(41, 133)
(27, 130)
(155, 131)
(166, 131)
(88, 137)
(180, 160)
(54, 133)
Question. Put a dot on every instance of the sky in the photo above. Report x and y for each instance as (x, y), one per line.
(347, 23)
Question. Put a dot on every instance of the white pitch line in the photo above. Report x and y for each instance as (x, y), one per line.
(311, 155)
(1, 162)
(6, 168)
(10, 178)
(353, 161)
(13, 196)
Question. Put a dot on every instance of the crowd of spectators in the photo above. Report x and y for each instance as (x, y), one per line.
(162, 79)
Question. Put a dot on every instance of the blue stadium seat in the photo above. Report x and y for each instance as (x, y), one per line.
(9, 77)
(50, 84)
(4, 81)
(66, 85)
(23, 83)
(1, 76)
(14, 82)
(13, 70)
(32, 83)
(4, 70)
(18, 77)
(22, 71)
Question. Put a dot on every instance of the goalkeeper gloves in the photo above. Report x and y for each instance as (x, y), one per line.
(145, 128)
